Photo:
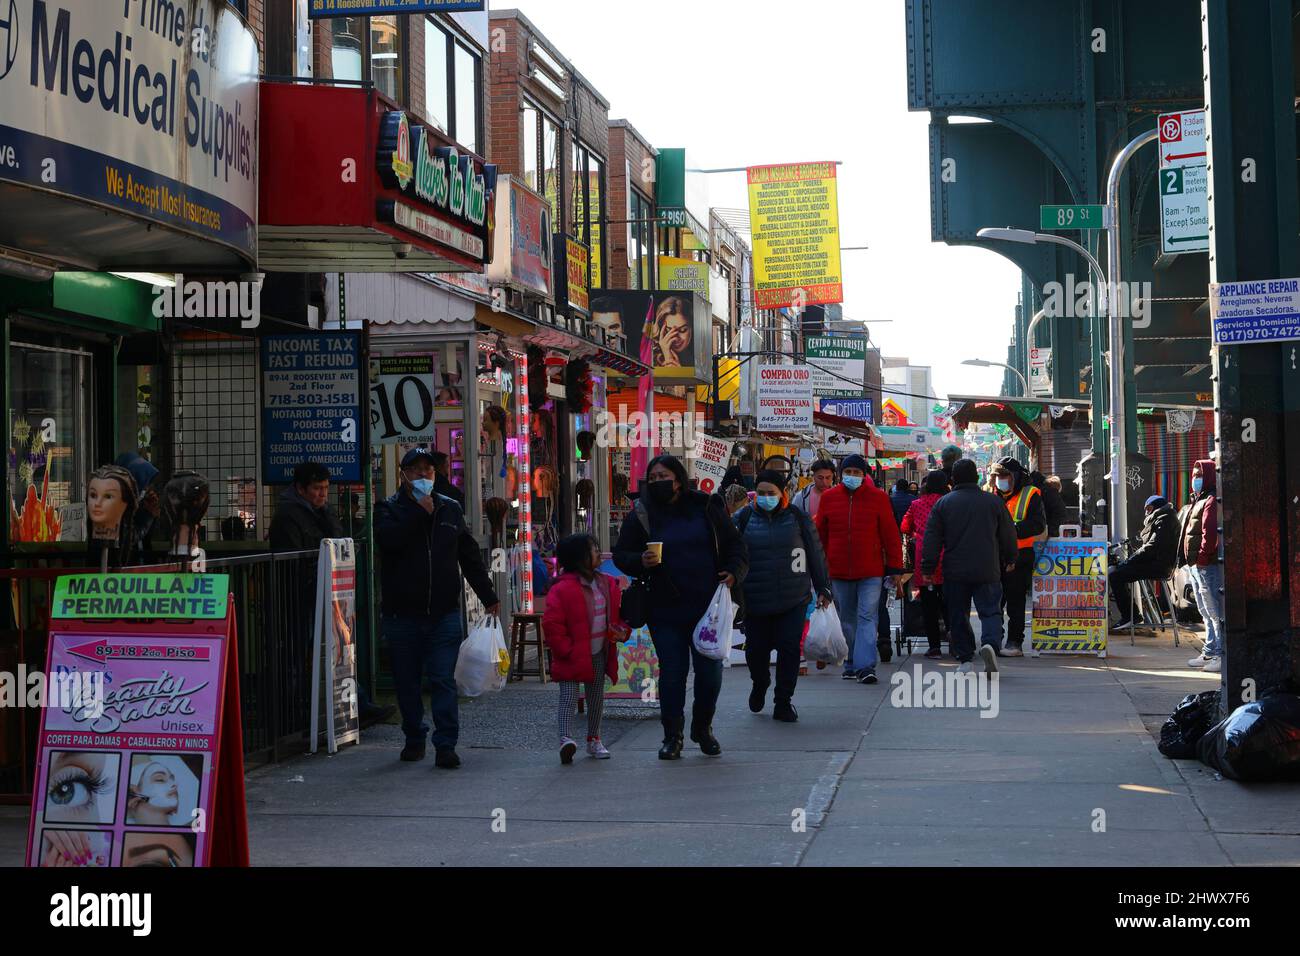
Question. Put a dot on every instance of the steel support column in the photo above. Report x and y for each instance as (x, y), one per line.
(1250, 90)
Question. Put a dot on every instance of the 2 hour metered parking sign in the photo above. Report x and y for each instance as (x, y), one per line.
(1264, 311)
(311, 404)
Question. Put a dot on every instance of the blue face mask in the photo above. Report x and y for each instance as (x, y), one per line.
(853, 482)
(768, 502)
(423, 487)
(1198, 483)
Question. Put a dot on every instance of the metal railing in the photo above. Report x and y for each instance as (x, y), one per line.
(274, 594)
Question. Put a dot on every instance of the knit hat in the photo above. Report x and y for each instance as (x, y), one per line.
(772, 477)
(853, 461)
(1156, 501)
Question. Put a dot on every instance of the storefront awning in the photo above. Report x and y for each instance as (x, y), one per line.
(545, 336)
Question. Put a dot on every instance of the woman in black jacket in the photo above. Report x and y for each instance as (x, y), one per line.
(785, 563)
(697, 547)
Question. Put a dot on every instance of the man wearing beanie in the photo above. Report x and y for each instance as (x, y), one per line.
(972, 530)
(1152, 560)
(863, 546)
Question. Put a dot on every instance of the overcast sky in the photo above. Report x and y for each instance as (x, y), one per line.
(748, 82)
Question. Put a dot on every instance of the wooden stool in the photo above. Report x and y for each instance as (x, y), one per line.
(520, 641)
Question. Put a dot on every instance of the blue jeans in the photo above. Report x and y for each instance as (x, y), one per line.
(858, 603)
(1206, 582)
(416, 645)
(988, 605)
(677, 654)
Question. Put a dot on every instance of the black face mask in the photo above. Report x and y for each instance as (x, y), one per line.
(660, 492)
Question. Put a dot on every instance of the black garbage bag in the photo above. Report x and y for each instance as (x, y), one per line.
(1188, 724)
(1258, 741)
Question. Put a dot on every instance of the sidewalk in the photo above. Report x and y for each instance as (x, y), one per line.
(880, 785)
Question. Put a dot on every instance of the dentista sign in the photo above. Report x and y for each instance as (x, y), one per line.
(454, 184)
(147, 107)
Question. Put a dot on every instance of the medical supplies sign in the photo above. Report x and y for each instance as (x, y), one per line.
(311, 404)
(1070, 598)
(140, 725)
(785, 398)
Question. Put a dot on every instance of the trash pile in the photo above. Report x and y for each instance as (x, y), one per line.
(1257, 742)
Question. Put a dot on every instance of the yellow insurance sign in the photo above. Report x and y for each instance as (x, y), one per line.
(795, 221)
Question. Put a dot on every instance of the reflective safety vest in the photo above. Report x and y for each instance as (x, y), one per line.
(1018, 506)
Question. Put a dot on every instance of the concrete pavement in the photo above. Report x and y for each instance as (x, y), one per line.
(1066, 774)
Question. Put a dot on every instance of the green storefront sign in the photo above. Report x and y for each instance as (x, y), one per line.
(839, 365)
(145, 596)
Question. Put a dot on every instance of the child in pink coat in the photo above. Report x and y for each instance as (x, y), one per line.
(582, 629)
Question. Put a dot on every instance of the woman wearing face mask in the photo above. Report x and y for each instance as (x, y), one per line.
(695, 547)
(786, 564)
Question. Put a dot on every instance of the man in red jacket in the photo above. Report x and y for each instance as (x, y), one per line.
(864, 549)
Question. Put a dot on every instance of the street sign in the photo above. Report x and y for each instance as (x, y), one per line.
(1184, 210)
(838, 364)
(1264, 311)
(1072, 217)
(1182, 139)
(1040, 376)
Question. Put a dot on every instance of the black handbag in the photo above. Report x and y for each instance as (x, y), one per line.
(635, 606)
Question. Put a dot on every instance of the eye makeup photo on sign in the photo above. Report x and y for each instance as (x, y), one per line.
(81, 786)
(164, 850)
(164, 789)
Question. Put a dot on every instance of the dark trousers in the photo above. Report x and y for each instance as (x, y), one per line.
(417, 645)
(1121, 595)
(882, 622)
(1016, 586)
(780, 632)
(988, 605)
(932, 605)
(676, 653)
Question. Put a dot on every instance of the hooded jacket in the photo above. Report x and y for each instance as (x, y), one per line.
(1159, 548)
(423, 556)
(859, 533)
(1198, 535)
(973, 532)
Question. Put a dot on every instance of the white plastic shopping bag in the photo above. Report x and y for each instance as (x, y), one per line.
(484, 662)
(825, 641)
(712, 635)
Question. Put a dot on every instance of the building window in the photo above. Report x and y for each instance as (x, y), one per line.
(452, 85)
(588, 209)
(640, 232)
(532, 155)
(369, 48)
(551, 166)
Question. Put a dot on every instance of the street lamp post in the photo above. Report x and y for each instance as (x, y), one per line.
(985, 363)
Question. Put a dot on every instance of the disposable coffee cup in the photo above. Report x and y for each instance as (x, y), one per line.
(657, 547)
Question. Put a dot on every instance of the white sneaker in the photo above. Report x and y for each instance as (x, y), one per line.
(990, 656)
(966, 667)
(1012, 651)
(1214, 665)
(1200, 660)
(568, 747)
(596, 749)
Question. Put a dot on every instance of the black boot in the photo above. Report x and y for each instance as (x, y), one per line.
(672, 748)
(702, 734)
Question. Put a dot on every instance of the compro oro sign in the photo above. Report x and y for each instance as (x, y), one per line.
(785, 398)
(794, 213)
(144, 108)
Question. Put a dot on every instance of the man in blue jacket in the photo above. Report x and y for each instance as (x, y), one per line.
(424, 547)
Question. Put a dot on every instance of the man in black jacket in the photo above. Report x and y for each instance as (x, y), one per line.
(1024, 503)
(425, 545)
(973, 531)
(1153, 560)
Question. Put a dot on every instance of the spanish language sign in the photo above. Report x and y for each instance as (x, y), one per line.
(838, 363)
(1265, 311)
(785, 398)
(794, 214)
(128, 762)
(311, 404)
(709, 460)
(143, 596)
(1070, 603)
(320, 9)
(402, 389)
